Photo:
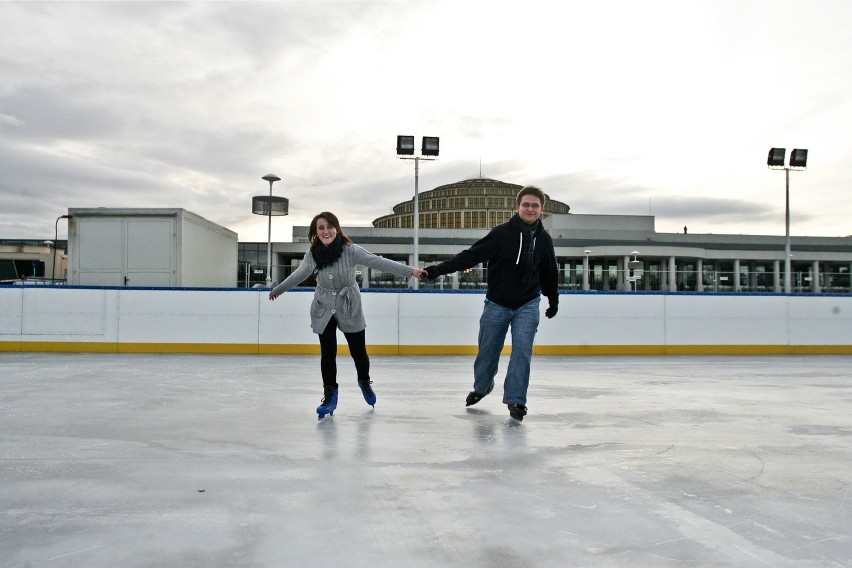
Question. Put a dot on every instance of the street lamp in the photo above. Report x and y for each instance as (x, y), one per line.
(269, 206)
(405, 151)
(798, 161)
(55, 240)
(633, 266)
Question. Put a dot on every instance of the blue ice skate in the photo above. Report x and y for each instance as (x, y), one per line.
(368, 393)
(328, 404)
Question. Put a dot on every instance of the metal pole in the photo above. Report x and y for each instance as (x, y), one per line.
(269, 239)
(55, 239)
(787, 284)
(416, 218)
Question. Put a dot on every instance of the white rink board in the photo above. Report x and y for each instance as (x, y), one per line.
(187, 316)
(726, 320)
(811, 322)
(285, 320)
(11, 315)
(583, 319)
(434, 318)
(246, 318)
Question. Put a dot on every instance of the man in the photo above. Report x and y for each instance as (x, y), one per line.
(521, 266)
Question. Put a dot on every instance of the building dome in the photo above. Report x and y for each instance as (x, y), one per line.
(478, 203)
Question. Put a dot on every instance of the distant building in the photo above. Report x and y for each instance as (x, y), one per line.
(594, 252)
(172, 247)
(479, 203)
(149, 247)
(32, 261)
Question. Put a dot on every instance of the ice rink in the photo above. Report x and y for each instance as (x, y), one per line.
(208, 461)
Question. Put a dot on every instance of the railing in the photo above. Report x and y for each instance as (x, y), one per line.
(613, 280)
(35, 281)
(722, 282)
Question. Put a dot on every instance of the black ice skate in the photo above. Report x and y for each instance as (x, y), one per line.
(517, 411)
(473, 397)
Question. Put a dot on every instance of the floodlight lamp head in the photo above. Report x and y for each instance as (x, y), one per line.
(430, 146)
(271, 178)
(405, 145)
(799, 158)
(776, 157)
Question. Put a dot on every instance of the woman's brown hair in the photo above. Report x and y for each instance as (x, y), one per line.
(332, 220)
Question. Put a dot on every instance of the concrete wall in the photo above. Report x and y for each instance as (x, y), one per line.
(72, 319)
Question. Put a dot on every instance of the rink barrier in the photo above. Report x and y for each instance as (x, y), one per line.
(417, 322)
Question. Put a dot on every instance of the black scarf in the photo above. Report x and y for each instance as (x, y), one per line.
(327, 255)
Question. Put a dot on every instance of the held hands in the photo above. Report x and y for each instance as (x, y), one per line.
(418, 272)
(431, 272)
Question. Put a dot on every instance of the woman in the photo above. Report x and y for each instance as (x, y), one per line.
(337, 301)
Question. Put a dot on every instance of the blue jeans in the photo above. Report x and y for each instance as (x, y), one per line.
(493, 326)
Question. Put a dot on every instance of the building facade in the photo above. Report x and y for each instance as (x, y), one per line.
(33, 261)
(479, 203)
(594, 252)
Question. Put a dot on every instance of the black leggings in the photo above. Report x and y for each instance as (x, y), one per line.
(328, 354)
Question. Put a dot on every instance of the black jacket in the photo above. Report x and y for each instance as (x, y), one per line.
(510, 283)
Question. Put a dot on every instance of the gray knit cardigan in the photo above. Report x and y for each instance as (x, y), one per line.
(337, 293)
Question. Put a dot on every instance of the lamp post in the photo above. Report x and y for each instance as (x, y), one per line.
(586, 269)
(633, 266)
(269, 206)
(798, 161)
(55, 240)
(428, 151)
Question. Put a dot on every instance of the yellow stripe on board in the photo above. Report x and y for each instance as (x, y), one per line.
(409, 350)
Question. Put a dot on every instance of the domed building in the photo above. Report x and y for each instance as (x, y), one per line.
(478, 203)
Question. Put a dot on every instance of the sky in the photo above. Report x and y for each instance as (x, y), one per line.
(616, 107)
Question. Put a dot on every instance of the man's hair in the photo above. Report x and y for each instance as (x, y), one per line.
(530, 190)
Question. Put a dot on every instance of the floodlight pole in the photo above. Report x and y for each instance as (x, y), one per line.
(416, 216)
(798, 161)
(55, 240)
(787, 275)
(406, 153)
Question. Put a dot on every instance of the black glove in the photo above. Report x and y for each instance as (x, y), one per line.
(552, 308)
(431, 272)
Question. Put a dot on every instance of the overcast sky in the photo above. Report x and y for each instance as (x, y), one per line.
(614, 107)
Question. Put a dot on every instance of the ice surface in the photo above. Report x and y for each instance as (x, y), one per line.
(194, 460)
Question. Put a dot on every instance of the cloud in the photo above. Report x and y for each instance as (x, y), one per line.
(170, 104)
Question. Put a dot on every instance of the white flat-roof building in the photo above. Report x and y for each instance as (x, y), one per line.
(149, 247)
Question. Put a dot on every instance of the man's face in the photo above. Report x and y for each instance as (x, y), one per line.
(529, 209)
